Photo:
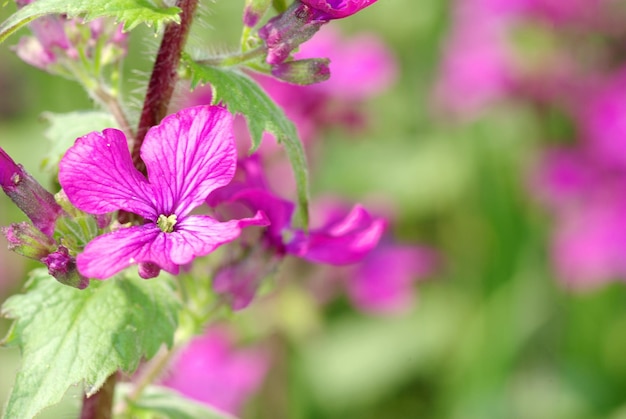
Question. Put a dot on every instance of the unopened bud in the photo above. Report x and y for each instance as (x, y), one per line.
(254, 10)
(303, 72)
(24, 239)
(148, 270)
(36, 202)
(62, 266)
(285, 32)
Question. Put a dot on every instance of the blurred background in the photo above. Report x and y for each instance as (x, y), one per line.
(494, 141)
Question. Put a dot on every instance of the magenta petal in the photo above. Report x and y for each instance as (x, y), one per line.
(188, 155)
(98, 176)
(333, 9)
(340, 243)
(108, 254)
(199, 235)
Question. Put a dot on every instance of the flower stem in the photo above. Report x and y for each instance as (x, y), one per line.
(234, 59)
(164, 76)
(100, 405)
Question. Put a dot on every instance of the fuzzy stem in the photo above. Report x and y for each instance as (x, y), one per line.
(100, 405)
(164, 76)
(234, 59)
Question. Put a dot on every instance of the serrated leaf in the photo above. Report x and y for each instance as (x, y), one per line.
(243, 95)
(161, 402)
(65, 128)
(130, 12)
(68, 336)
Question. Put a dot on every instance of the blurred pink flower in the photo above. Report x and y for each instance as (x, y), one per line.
(213, 371)
(383, 282)
(476, 70)
(603, 120)
(589, 245)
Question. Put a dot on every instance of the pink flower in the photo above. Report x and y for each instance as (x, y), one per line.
(188, 155)
(603, 118)
(213, 371)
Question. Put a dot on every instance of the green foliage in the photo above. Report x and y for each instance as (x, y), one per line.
(130, 12)
(244, 96)
(65, 128)
(160, 402)
(68, 336)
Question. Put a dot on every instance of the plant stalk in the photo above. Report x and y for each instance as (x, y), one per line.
(164, 77)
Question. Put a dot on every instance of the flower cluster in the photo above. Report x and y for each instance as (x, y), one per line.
(58, 45)
(582, 184)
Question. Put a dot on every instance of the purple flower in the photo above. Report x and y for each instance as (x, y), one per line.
(341, 240)
(336, 9)
(212, 370)
(188, 155)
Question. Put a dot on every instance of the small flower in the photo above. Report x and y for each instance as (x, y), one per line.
(58, 40)
(212, 370)
(336, 9)
(188, 155)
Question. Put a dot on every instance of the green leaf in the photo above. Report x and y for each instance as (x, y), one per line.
(161, 402)
(68, 336)
(244, 96)
(130, 12)
(65, 128)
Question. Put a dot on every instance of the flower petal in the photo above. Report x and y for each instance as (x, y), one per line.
(199, 235)
(340, 243)
(110, 253)
(188, 155)
(98, 176)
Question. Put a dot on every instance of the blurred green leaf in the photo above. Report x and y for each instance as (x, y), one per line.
(130, 12)
(244, 96)
(161, 402)
(68, 336)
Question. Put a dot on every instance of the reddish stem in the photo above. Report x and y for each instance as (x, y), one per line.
(100, 405)
(164, 77)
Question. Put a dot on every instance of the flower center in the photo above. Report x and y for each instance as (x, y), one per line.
(166, 224)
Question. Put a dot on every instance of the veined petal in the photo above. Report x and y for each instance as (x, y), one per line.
(188, 155)
(110, 253)
(199, 235)
(340, 243)
(98, 176)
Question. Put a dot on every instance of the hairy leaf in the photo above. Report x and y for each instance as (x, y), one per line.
(243, 95)
(130, 12)
(68, 336)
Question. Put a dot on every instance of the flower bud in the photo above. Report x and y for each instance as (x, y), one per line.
(285, 32)
(329, 9)
(303, 72)
(148, 270)
(36, 202)
(62, 266)
(24, 239)
(254, 10)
